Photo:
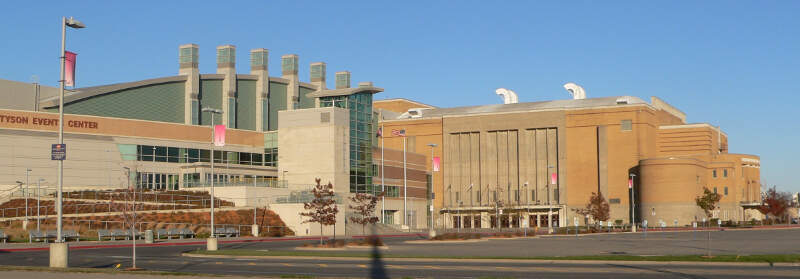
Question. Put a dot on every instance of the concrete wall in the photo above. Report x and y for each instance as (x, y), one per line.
(314, 143)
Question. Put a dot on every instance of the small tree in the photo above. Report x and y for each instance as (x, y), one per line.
(128, 208)
(708, 201)
(597, 208)
(364, 206)
(775, 203)
(322, 209)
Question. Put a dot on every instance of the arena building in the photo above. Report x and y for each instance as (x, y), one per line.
(532, 164)
(153, 134)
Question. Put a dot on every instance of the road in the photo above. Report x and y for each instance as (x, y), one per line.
(167, 258)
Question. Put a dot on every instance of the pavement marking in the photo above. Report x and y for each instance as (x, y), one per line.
(251, 263)
(218, 262)
(362, 266)
(286, 264)
(432, 267)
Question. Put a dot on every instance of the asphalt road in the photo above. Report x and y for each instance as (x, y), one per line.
(167, 258)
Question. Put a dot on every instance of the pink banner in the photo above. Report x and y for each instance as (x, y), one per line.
(69, 68)
(630, 183)
(553, 178)
(436, 162)
(219, 135)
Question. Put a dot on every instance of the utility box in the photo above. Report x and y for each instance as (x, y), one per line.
(148, 236)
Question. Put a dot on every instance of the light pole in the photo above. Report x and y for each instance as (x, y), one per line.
(431, 231)
(59, 251)
(211, 245)
(38, 197)
(26, 194)
(19, 185)
(549, 207)
(633, 203)
(527, 208)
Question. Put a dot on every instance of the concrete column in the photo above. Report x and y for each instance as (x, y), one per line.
(289, 64)
(259, 59)
(538, 220)
(318, 73)
(342, 79)
(188, 61)
(485, 220)
(59, 254)
(226, 65)
(525, 220)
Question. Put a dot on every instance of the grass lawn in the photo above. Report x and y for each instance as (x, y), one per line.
(788, 258)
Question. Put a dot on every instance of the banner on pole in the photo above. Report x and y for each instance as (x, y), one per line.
(69, 68)
(630, 183)
(219, 135)
(436, 163)
(553, 178)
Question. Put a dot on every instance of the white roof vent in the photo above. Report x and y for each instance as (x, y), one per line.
(575, 90)
(623, 101)
(413, 113)
(509, 97)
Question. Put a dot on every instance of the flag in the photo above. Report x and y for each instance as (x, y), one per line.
(69, 68)
(399, 133)
(380, 132)
(553, 178)
(219, 135)
(436, 163)
(630, 183)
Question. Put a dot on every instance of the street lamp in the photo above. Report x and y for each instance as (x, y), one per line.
(59, 251)
(211, 245)
(38, 198)
(26, 194)
(431, 232)
(19, 185)
(549, 208)
(633, 203)
(527, 208)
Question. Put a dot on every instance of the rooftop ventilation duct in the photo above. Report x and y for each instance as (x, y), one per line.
(575, 90)
(509, 97)
(413, 113)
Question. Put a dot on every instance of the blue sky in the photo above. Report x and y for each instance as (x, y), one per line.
(734, 64)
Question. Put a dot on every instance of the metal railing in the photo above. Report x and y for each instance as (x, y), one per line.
(265, 183)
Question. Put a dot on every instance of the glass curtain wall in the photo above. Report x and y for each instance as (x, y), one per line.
(361, 138)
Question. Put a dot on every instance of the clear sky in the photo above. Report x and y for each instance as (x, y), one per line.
(733, 64)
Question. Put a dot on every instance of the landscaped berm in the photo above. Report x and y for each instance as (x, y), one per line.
(89, 213)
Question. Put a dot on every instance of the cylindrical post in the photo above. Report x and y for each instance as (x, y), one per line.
(61, 130)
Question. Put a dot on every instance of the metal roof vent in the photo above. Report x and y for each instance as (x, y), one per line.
(623, 101)
(575, 90)
(509, 97)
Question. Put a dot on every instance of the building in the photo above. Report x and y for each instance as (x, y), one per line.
(281, 134)
(536, 162)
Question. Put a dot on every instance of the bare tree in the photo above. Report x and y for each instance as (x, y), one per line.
(708, 201)
(364, 205)
(597, 208)
(127, 206)
(322, 209)
(775, 203)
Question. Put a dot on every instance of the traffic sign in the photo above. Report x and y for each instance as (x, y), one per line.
(58, 152)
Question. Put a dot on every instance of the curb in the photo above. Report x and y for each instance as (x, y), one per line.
(598, 262)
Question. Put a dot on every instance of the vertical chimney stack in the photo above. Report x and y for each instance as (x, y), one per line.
(342, 79)
(289, 71)
(226, 65)
(259, 59)
(188, 66)
(318, 73)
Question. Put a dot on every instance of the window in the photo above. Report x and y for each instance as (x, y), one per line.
(195, 114)
(613, 201)
(392, 191)
(726, 190)
(626, 125)
(725, 173)
(478, 196)
(458, 197)
(264, 115)
(231, 113)
(516, 195)
(533, 195)
(714, 173)
(715, 190)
